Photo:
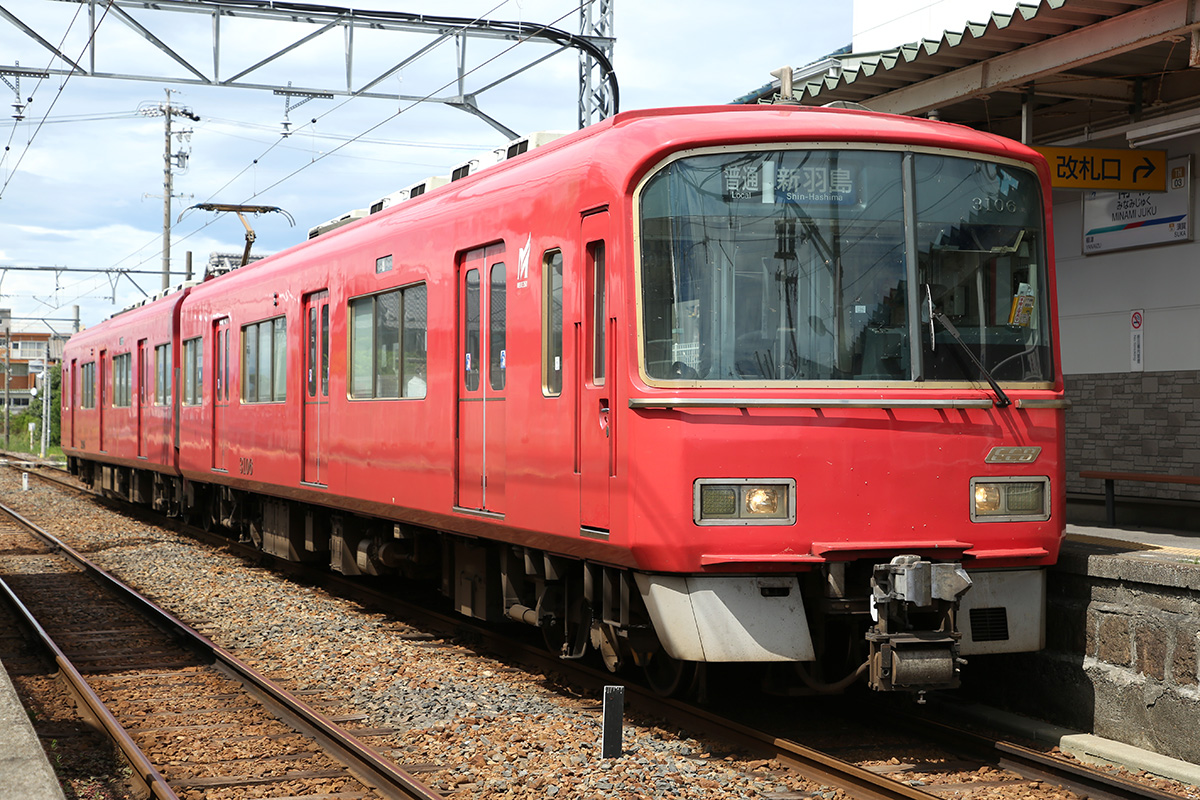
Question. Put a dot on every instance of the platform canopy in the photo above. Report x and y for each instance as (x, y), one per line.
(1054, 72)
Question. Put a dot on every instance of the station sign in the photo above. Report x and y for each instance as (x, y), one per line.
(1106, 170)
(1121, 220)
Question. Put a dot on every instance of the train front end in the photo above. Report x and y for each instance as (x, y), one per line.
(848, 401)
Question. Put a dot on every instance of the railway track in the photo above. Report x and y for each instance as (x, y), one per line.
(186, 715)
(971, 764)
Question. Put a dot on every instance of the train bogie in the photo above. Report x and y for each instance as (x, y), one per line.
(752, 385)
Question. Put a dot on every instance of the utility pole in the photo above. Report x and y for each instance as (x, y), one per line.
(170, 161)
(7, 378)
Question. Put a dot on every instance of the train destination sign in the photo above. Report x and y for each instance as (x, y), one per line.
(1111, 170)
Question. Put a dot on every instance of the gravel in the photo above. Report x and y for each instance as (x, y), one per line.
(471, 726)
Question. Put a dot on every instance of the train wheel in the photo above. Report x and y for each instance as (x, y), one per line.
(606, 642)
(668, 676)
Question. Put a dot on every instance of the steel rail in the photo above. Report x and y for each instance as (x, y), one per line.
(148, 780)
(812, 763)
(364, 761)
(1030, 764)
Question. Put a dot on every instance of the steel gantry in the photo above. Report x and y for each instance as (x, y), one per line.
(598, 93)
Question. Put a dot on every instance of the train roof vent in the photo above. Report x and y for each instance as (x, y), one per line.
(336, 222)
(463, 170)
(526, 143)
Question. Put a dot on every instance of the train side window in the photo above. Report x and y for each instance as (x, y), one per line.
(387, 344)
(193, 371)
(415, 339)
(279, 362)
(121, 377)
(498, 327)
(552, 322)
(87, 385)
(264, 362)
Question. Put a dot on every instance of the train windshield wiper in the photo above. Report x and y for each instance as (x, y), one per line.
(1001, 398)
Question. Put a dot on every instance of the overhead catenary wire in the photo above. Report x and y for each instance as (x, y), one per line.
(523, 31)
(61, 87)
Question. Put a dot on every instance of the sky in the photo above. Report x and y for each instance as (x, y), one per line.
(81, 176)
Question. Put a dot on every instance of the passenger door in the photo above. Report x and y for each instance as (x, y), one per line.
(316, 387)
(594, 421)
(482, 384)
(72, 400)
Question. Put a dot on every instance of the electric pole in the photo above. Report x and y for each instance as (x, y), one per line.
(170, 161)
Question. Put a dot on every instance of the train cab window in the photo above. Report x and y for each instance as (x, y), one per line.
(193, 371)
(823, 264)
(388, 344)
(498, 326)
(87, 385)
(162, 375)
(122, 379)
(552, 322)
(264, 362)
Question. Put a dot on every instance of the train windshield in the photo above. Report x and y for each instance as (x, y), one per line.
(825, 265)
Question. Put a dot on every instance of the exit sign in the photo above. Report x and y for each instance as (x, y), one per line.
(1116, 170)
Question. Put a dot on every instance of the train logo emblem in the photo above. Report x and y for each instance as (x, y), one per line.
(523, 263)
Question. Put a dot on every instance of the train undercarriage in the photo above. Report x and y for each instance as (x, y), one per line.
(893, 626)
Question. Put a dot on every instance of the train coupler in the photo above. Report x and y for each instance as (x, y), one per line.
(914, 642)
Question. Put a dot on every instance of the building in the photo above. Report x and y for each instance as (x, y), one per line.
(26, 358)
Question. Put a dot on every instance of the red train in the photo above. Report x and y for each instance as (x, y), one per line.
(732, 384)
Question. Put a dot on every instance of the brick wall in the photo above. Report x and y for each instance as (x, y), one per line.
(1134, 422)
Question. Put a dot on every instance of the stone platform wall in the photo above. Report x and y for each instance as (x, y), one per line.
(1123, 631)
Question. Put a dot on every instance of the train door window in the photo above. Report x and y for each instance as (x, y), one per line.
(595, 252)
(325, 350)
(472, 339)
(87, 385)
(313, 353)
(122, 379)
(318, 347)
(162, 375)
(221, 367)
(193, 371)
(497, 323)
(552, 322)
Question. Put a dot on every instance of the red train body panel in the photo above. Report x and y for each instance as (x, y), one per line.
(595, 357)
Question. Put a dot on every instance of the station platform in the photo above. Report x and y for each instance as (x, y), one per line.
(1122, 651)
(25, 771)
(1151, 543)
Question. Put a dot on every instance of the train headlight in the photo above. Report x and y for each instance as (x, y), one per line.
(1010, 499)
(744, 501)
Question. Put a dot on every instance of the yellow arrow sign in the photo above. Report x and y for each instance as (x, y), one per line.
(1096, 168)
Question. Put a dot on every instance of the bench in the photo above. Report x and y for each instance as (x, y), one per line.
(1110, 478)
